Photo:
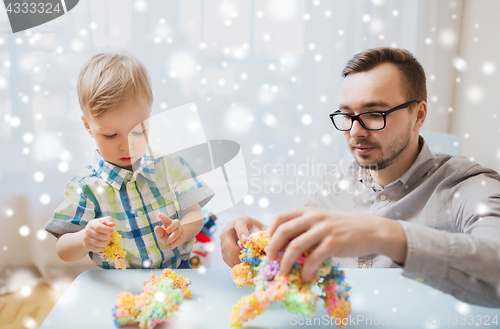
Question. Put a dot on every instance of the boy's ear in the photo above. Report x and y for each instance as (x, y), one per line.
(86, 124)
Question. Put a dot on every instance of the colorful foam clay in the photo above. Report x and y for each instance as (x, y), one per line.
(294, 295)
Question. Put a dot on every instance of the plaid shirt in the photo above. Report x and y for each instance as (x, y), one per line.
(134, 200)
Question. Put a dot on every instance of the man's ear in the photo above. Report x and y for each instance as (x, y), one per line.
(421, 114)
(86, 125)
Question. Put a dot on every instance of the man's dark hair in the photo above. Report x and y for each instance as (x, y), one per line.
(412, 73)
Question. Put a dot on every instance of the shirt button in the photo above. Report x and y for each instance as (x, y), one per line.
(364, 266)
(383, 197)
(407, 186)
(140, 213)
(130, 185)
(150, 243)
(419, 279)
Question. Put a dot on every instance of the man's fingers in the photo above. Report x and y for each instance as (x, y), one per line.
(229, 248)
(286, 232)
(315, 258)
(241, 227)
(232, 253)
(230, 259)
(284, 216)
(237, 229)
(165, 220)
(298, 246)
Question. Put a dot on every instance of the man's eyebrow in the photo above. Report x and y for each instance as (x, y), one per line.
(366, 105)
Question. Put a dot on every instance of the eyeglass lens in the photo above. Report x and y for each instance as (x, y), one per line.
(370, 121)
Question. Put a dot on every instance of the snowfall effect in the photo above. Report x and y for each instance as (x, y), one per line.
(265, 74)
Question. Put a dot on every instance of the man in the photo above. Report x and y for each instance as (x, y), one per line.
(397, 205)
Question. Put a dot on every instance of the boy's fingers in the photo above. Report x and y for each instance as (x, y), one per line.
(109, 221)
(160, 232)
(101, 228)
(172, 227)
(165, 220)
(104, 225)
(174, 244)
(97, 245)
(100, 232)
(177, 242)
(100, 236)
(173, 236)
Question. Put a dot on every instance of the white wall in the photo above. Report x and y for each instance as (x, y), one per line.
(476, 115)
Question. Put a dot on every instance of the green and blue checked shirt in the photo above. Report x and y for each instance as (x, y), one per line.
(134, 200)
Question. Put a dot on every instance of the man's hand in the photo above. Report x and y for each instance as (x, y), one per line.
(171, 233)
(238, 229)
(97, 233)
(332, 234)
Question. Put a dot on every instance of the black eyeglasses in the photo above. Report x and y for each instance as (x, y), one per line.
(371, 120)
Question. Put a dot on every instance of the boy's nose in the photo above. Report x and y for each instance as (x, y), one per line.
(124, 145)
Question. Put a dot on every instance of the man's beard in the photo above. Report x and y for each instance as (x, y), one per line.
(394, 153)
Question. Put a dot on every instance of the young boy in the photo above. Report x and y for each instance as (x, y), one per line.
(153, 202)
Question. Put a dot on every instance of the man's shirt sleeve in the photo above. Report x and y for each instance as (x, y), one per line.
(465, 264)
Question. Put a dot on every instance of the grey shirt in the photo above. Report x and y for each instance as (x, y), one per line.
(449, 208)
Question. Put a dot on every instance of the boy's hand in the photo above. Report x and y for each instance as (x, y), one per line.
(97, 233)
(171, 233)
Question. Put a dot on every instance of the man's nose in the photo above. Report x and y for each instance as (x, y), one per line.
(357, 130)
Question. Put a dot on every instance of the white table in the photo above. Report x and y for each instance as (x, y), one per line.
(377, 295)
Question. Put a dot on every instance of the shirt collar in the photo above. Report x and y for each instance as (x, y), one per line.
(147, 165)
(115, 176)
(424, 161)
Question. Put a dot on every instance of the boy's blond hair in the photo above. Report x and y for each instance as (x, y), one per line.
(107, 80)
